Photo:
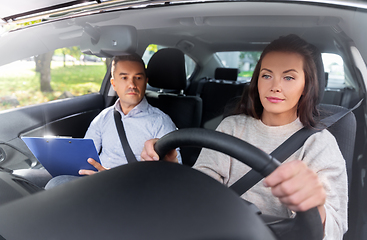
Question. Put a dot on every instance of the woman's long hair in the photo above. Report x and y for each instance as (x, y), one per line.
(250, 103)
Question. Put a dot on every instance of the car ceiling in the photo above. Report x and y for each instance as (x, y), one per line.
(219, 25)
(15, 9)
(28, 7)
(19, 7)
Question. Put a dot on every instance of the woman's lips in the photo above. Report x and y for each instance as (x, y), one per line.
(274, 99)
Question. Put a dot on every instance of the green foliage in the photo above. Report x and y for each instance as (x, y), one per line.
(72, 51)
(255, 56)
(22, 82)
(245, 74)
(252, 58)
(78, 79)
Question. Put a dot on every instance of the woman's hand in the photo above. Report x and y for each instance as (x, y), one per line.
(95, 164)
(148, 153)
(297, 187)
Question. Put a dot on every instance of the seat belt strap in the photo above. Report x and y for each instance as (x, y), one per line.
(288, 147)
(130, 157)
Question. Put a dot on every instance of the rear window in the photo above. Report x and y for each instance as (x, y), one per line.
(334, 69)
(244, 61)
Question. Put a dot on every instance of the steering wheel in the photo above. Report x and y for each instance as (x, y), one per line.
(153, 200)
(306, 225)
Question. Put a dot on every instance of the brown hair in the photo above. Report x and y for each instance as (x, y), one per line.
(250, 103)
(132, 57)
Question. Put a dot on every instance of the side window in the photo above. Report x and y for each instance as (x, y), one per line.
(153, 48)
(334, 69)
(62, 73)
(244, 61)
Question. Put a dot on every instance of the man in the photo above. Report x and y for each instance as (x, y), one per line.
(141, 121)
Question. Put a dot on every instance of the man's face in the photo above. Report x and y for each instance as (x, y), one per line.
(129, 81)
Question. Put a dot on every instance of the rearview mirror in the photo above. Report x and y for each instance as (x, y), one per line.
(108, 41)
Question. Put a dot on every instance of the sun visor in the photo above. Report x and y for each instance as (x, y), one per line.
(108, 41)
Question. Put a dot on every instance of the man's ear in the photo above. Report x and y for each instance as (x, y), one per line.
(147, 80)
(112, 83)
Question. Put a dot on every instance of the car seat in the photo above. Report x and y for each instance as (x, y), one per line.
(345, 129)
(216, 93)
(166, 71)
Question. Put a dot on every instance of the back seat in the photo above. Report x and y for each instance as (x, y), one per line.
(216, 93)
(338, 94)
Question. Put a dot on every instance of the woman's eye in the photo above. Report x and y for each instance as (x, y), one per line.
(289, 78)
(266, 76)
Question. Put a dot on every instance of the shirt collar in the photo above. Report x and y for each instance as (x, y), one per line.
(142, 106)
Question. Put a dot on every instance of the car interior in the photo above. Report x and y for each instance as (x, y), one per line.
(199, 98)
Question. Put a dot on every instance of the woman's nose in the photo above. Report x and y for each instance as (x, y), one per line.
(276, 86)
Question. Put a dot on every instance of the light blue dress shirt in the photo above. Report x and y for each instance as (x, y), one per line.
(142, 123)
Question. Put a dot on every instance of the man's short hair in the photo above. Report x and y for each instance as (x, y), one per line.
(132, 57)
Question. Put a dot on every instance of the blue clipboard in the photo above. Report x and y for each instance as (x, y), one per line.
(63, 156)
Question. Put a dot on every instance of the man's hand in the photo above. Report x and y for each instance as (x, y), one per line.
(95, 164)
(148, 153)
(297, 187)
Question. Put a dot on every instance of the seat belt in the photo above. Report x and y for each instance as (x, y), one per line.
(288, 147)
(130, 157)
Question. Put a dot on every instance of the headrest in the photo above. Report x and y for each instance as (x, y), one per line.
(226, 74)
(320, 71)
(166, 69)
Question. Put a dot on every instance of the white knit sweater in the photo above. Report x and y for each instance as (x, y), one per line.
(320, 152)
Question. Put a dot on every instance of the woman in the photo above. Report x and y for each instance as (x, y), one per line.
(282, 99)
